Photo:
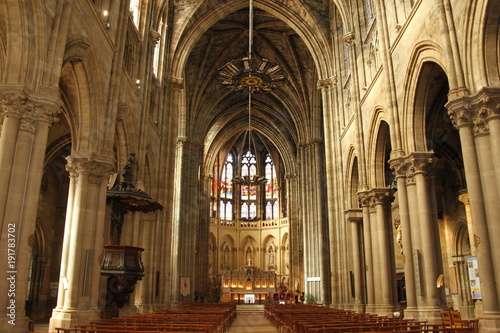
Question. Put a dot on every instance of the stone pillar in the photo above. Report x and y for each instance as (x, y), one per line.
(185, 224)
(355, 216)
(366, 201)
(23, 142)
(316, 251)
(386, 277)
(295, 245)
(463, 197)
(400, 168)
(81, 287)
(477, 119)
(428, 249)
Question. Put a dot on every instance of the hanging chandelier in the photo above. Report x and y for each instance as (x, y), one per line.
(254, 75)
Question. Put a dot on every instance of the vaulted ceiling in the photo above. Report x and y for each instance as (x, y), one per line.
(219, 115)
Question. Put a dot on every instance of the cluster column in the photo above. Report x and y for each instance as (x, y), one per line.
(81, 287)
(316, 247)
(419, 234)
(477, 119)
(23, 140)
(376, 208)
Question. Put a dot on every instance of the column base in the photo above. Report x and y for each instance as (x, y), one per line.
(489, 322)
(65, 318)
(410, 313)
(15, 324)
(129, 310)
(357, 307)
(384, 310)
(431, 314)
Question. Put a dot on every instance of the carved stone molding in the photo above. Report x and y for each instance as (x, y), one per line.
(349, 38)
(365, 199)
(89, 165)
(382, 196)
(312, 143)
(30, 111)
(175, 82)
(327, 84)
(475, 111)
(415, 163)
(154, 36)
(422, 163)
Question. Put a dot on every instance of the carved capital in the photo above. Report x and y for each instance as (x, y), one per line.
(422, 163)
(88, 164)
(475, 111)
(30, 110)
(399, 167)
(154, 36)
(13, 104)
(327, 84)
(382, 196)
(175, 82)
(463, 197)
(365, 199)
(349, 38)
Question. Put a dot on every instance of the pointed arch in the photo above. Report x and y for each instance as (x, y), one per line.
(412, 120)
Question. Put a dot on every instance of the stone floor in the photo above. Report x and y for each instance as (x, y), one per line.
(248, 322)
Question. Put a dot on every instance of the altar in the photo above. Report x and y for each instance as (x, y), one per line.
(248, 285)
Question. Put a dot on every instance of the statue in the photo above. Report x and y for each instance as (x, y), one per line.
(271, 255)
(128, 171)
(249, 257)
(399, 237)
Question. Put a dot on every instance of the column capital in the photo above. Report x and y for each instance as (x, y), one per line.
(310, 143)
(87, 163)
(175, 82)
(154, 36)
(30, 111)
(421, 162)
(354, 215)
(327, 84)
(365, 198)
(463, 196)
(475, 111)
(382, 196)
(349, 38)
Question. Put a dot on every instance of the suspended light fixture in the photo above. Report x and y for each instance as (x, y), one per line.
(254, 75)
(251, 73)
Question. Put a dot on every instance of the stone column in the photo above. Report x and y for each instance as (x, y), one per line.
(382, 199)
(22, 143)
(185, 222)
(420, 166)
(400, 169)
(81, 287)
(366, 201)
(477, 120)
(296, 252)
(316, 250)
(355, 216)
(463, 197)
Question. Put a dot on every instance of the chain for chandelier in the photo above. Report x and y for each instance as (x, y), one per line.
(255, 75)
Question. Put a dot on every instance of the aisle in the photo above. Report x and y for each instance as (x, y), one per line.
(252, 323)
(250, 318)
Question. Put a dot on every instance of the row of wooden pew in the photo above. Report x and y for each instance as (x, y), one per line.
(201, 318)
(299, 318)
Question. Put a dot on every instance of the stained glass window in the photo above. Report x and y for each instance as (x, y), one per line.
(135, 8)
(271, 189)
(226, 186)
